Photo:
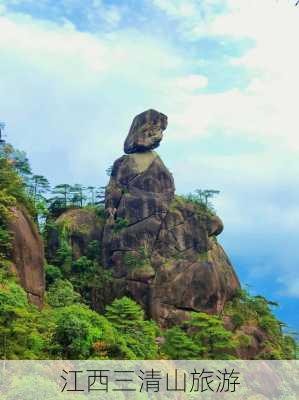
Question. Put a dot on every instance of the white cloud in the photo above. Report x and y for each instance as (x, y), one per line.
(292, 286)
(273, 61)
(267, 108)
(48, 47)
(74, 94)
(190, 83)
(177, 8)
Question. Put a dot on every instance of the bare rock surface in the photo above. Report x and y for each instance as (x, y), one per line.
(83, 227)
(146, 132)
(28, 255)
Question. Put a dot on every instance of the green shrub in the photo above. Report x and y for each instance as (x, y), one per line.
(139, 336)
(238, 320)
(245, 309)
(61, 294)
(53, 273)
(208, 332)
(178, 345)
(79, 332)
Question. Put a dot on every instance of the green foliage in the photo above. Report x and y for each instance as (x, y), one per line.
(64, 256)
(245, 340)
(19, 327)
(245, 309)
(25, 188)
(37, 187)
(178, 345)
(289, 347)
(124, 313)
(201, 209)
(94, 250)
(139, 336)
(17, 159)
(66, 196)
(61, 294)
(6, 202)
(141, 341)
(91, 279)
(200, 199)
(12, 191)
(100, 212)
(86, 273)
(137, 259)
(61, 193)
(82, 265)
(11, 184)
(5, 243)
(204, 196)
(78, 332)
(53, 273)
(201, 337)
(238, 320)
(131, 260)
(77, 195)
(209, 333)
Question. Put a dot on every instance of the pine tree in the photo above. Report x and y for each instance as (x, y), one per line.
(124, 313)
(139, 336)
(208, 332)
(179, 346)
(62, 192)
(38, 186)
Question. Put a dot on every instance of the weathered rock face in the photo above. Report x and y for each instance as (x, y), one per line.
(83, 227)
(204, 284)
(137, 200)
(162, 248)
(146, 132)
(28, 255)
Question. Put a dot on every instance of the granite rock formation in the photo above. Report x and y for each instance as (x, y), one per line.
(162, 249)
(146, 132)
(83, 226)
(28, 255)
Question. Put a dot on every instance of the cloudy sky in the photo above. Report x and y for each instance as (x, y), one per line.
(73, 74)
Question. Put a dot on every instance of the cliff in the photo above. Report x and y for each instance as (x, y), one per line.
(27, 254)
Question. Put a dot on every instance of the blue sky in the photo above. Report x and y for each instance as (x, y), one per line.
(74, 73)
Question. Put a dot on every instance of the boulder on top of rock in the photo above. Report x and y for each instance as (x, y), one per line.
(146, 132)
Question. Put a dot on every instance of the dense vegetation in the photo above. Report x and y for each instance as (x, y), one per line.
(68, 328)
